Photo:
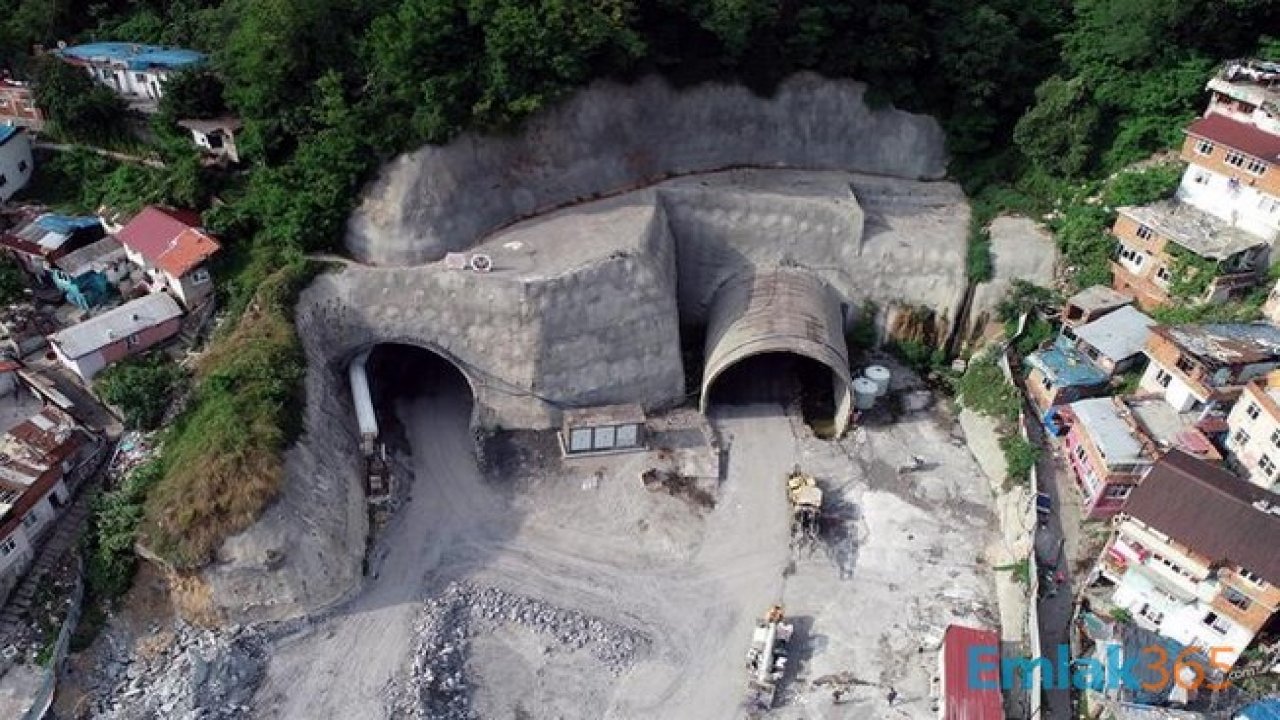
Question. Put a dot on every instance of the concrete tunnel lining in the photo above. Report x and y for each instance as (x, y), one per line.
(778, 311)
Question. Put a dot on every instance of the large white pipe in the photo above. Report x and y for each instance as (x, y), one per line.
(365, 416)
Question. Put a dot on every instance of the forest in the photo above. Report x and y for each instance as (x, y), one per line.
(1041, 101)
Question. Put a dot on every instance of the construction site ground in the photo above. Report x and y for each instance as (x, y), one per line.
(566, 589)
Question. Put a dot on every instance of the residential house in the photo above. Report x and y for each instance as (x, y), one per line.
(41, 461)
(88, 276)
(16, 161)
(959, 697)
(39, 242)
(171, 249)
(1202, 368)
(1234, 150)
(1082, 360)
(1193, 556)
(135, 72)
(1254, 432)
(1171, 251)
(127, 330)
(1112, 442)
(1092, 303)
(18, 106)
(1147, 685)
(215, 138)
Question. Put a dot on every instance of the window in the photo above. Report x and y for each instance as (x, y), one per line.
(139, 77)
(1155, 616)
(31, 519)
(1118, 492)
(1252, 410)
(1132, 256)
(1219, 624)
(1275, 437)
(7, 547)
(1172, 566)
(1236, 598)
(1144, 232)
(1267, 465)
(1200, 177)
(1234, 158)
(1163, 378)
(1185, 364)
(1163, 273)
(1241, 438)
(22, 166)
(1079, 453)
(1255, 167)
(1204, 147)
(131, 341)
(1249, 575)
(200, 276)
(1047, 382)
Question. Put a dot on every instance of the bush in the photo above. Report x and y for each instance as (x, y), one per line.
(142, 388)
(984, 389)
(12, 282)
(1141, 187)
(110, 560)
(1020, 456)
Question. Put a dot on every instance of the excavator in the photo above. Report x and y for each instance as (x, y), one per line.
(805, 498)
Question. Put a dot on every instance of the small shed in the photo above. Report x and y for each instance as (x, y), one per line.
(608, 428)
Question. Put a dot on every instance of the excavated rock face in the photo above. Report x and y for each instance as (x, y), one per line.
(611, 138)
(583, 306)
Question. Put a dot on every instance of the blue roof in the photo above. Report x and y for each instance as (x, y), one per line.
(1066, 367)
(1261, 710)
(65, 224)
(135, 56)
(7, 131)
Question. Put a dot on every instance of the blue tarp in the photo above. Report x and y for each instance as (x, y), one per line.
(1066, 367)
(6, 132)
(65, 224)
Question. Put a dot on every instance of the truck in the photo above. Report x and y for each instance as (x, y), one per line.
(805, 498)
(767, 660)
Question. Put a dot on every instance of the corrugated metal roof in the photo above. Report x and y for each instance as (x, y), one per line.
(1099, 297)
(133, 55)
(114, 325)
(963, 701)
(168, 239)
(94, 256)
(1226, 344)
(1066, 367)
(1100, 418)
(1203, 234)
(1119, 334)
(1211, 511)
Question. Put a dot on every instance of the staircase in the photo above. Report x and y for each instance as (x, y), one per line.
(16, 612)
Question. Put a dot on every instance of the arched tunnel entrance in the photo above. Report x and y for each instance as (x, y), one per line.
(404, 378)
(776, 335)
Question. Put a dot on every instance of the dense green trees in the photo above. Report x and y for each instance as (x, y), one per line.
(79, 109)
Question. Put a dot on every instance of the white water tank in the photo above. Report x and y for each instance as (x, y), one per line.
(879, 375)
(864, 393)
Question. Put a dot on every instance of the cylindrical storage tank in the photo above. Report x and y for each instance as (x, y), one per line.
(879, 375)
(864, 393)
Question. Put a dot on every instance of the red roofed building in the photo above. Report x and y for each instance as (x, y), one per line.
(961, 697)
(172, 251)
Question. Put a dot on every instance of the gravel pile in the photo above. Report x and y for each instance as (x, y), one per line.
(437, 685)
(201, 675)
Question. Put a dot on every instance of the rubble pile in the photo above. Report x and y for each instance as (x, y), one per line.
(437, 686)
(200, 675)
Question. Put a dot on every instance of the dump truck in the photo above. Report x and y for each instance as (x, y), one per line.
(806, 508)
(767, 660)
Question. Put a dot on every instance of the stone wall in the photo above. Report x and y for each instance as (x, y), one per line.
(611, 138)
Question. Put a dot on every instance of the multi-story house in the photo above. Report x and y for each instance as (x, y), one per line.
(1172, 251)
(1112, 442)
(1234, 150)
(1082, 360)
(135, 72)
(1193, 557)
(16, 160)
(1254, 432)
(171, 249)
(41, 461)
(1203, 368)
(18, 106)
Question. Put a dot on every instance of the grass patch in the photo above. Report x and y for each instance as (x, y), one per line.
(142, 388)
(222, 458)
(984, 389)
(1020, 458)
(110, 561)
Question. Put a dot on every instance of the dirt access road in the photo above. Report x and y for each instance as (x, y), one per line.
(647, 561)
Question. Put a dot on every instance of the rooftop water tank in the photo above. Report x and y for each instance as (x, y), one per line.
(864, 393)
(879, 375)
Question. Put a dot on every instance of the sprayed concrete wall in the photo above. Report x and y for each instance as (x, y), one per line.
(610, 138)
(779, 311)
